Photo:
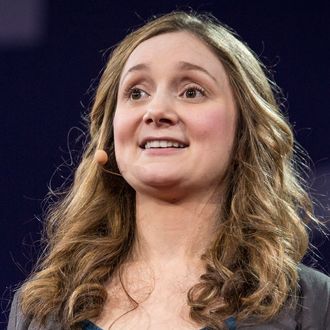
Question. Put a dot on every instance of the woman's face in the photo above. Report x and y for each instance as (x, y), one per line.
(175, 119)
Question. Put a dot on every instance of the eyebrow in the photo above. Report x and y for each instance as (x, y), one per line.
(138, 67)
(182, 65)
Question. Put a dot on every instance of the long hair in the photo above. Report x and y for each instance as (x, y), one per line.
(251, 265)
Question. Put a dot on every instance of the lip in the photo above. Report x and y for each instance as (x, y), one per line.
(162, 138)
(163, 152)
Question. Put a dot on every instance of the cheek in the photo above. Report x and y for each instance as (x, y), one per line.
(118, 130)
(123, 126)
(217, 128)
(121, 136)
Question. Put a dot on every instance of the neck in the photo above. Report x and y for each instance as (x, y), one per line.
(174, 233)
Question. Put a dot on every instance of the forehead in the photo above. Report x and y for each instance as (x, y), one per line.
(171, 48)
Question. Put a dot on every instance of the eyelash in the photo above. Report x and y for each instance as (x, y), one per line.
(129, 91)
(195, 88)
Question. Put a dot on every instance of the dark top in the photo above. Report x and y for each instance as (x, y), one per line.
(311, 313)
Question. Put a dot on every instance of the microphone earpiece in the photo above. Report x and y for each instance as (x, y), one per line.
(101, 157)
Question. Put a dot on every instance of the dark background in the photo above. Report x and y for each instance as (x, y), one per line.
(51, 53)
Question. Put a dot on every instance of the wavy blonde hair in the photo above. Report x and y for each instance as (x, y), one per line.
(251, 266)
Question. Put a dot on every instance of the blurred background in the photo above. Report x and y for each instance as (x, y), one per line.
(51, 55)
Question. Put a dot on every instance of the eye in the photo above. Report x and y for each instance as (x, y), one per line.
(136, 94)
(193, 92)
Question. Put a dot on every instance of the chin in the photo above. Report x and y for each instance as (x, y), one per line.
(155, 176)
(160, 181)
(157, 186)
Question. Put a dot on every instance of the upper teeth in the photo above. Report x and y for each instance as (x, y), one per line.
(163, 144)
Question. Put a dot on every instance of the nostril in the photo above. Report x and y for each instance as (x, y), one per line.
(159, 121)
(165, 121)
(149, 120)
(159, 117)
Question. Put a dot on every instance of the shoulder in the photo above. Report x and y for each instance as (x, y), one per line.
(313, 282)
(19, 321)
(312, 275)
(315, 293)
(312, 310)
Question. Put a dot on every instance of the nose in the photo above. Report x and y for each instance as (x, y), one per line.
(161, 112)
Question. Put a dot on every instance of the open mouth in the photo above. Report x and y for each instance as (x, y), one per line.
(153, 144)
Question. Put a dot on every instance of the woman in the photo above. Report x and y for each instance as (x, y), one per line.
(186, 211)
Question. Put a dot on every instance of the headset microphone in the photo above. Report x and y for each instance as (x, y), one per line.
(101, 157)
